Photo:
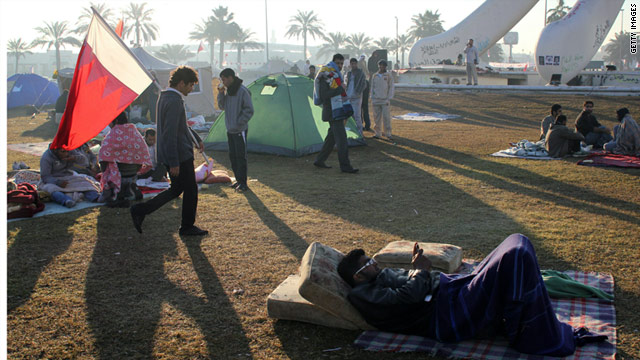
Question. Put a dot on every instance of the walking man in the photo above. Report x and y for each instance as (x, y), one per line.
(472, 60)
(175, 151)
(235, 99)
(337, 134)
(382, 89)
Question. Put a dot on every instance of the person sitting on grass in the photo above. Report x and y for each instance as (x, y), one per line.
(58, 179)
(626, 135)
(560, 140)
(594, 133)
(158, 172)
(505, 294)
(122, 150)
(545, 124)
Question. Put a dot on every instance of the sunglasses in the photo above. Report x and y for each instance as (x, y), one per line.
(368, 263)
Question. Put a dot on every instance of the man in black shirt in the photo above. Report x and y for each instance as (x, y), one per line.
(594, 133)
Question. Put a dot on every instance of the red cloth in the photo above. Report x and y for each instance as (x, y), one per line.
(123, 144)
(27, 196)
(106, 80)
(610, 159)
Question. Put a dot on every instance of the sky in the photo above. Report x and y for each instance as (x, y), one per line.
(176, 19)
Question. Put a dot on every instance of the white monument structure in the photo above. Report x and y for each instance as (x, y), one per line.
(564, 48)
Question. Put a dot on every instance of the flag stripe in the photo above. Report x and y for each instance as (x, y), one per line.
(110, 53)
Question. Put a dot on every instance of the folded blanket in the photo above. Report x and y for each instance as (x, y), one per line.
(76, 183)
(341, 107)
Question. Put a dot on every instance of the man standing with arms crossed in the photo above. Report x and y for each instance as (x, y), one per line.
(175, 151)
(472, 60)
(382, 89)
(235, 99)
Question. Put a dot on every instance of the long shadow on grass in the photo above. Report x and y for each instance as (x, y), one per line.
(528, 183)
(491, 119)
(296, 244)
(45, 131)
(128, 292)
(34, 247)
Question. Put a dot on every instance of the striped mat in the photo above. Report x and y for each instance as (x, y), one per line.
(597, 315)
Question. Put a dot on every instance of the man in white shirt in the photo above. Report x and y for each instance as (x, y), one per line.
(472, 60)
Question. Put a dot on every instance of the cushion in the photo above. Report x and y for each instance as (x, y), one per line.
(444, 257)
(286, 303)
(217, 176)
(321, 285)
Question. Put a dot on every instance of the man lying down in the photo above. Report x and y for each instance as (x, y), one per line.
(504, 295)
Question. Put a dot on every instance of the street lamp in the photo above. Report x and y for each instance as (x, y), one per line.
(397, 42)
(266, 24)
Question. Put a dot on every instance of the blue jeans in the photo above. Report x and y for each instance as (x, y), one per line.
(61, 198)
(597, 139)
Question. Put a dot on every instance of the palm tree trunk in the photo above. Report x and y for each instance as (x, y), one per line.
(238, 66)
(17, 59)
(211, 43)
(221, 52)
(304, 55)
(57, 57)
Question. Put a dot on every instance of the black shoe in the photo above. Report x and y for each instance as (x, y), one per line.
(321, 165)
(242, 188)
(193, 231)
(350, 171)
(137, 219)
(234, 185)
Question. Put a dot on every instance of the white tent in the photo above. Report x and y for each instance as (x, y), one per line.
(200, 100)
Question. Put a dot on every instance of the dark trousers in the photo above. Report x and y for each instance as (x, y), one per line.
(238, 155)
(336, 135)
(155, 174)
(185, 183)
(365, 106)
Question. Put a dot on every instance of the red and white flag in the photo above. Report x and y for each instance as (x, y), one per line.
(200, 48)
(107, 78)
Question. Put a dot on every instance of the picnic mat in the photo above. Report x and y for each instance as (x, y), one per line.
(36, 149)
(609, 159)
(597, 315)
(503, 154)
(430, 117)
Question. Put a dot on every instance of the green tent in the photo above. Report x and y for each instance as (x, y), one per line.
(285, 121)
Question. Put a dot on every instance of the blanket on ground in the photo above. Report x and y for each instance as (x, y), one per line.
(124, 144)
(428, 117)
(609, 159)
(76, 184)
(598, 315)
(525, 149)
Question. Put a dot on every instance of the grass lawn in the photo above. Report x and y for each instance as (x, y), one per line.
(87, 285)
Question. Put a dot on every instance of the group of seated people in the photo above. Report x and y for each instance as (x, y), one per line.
(561, 141)
(124, 156)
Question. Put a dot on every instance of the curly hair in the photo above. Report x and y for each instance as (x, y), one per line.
(183, 73)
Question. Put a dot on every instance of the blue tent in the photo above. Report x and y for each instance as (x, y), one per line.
(30, 89)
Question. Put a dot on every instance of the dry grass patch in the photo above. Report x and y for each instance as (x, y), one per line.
(86, 285)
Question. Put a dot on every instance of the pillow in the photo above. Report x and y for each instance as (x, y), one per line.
(286, 303)
(321, 285)
(217, 176)
(444, 257)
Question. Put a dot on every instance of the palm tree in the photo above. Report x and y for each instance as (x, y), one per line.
(302, 24)
(18, 48)
(427, 24)
(243, 42)
(223, 27)
(334, 43)
(55, 34)
(87, 14)
(358, 43)
(204, 31)
(617, 51)
(142, 25)
(406, 43)
(557, 12)
(174, 54)
(386, 43)
(494, 54)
